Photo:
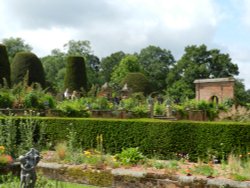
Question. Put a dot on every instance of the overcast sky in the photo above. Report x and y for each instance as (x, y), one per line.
(130, 25)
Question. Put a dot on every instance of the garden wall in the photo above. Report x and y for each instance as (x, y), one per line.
(165, 139)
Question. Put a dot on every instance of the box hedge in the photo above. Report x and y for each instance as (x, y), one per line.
(153, 137)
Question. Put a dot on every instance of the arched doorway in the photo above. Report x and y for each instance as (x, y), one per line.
(214, 99)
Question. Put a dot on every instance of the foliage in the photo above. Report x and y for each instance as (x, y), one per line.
(72, 108)
(54, 67)
(196, 63)
(108, 63)
(75, 78)
(101, 103)
(26, 63)
(159, 109)
(15, 45)
(156, 64)
(137, 82)
(241, 96)
(128, 64)
(130, 156)
(4, 66)
(6, 99)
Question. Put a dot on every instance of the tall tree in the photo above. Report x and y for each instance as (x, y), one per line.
(54, 67)
(15, 45)
(78, 48)
(128, 64)
(108, 63)
(198, 63)
(4, 66)
(156, 64)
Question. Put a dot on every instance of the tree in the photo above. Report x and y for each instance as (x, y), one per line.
(93, 69)
(199, 63)
(108, 63)
(54, 67)
(78, 48)
(136, 81)
(15, 45)
(27, 63)
(75, 78)
(128, 64)
(241, 96)
(156, 64)
(4, 66)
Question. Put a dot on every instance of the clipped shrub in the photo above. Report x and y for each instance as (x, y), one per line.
(76, 77)
(4, 66)
(155, 137)
(137, 82)
(27, 64)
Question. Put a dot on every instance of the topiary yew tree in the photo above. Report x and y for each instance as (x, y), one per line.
(4, 66)
(137, 82)
(27, 63)
(76, 77)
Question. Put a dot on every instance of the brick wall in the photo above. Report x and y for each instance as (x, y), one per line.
(222, 90)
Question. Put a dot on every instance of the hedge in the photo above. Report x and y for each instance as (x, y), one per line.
(76, 77)
(27, 63)
(153, 137)
(4, 66)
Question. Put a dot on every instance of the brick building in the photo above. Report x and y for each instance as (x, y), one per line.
(218, 89)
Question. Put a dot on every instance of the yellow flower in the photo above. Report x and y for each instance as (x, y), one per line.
(114, 159)
(87, 153)
(2, 148)
(248, 153)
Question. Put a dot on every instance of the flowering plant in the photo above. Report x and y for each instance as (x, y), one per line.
(4, 158)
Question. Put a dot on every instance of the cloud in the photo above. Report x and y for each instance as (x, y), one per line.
(110, 26)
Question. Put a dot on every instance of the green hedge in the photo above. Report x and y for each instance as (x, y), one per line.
(153, 137)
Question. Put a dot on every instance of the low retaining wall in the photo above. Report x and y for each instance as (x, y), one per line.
(127, 178)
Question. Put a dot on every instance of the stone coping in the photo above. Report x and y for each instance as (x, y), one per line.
(130, 178)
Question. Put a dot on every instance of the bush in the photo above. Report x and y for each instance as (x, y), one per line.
(6, 100)
(27, 64)
(76, 77)
(155, 137)
(4, 66)
(137, 82)
(130, 156)
(73, 108)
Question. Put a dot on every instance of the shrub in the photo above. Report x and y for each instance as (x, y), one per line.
(4, 66)
(6, 99)
(130, 156)
(27, 64)
(72, 108)
(137, 82)
(155, 137)
(76, 77)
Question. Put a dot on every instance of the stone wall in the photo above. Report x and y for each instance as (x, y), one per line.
(127, 178)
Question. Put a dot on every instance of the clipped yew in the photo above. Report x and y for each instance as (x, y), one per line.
(27, 64)
(4, 66)
(137, 82)
(75, 78)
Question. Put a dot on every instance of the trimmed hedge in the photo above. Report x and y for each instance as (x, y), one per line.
(76, 77)
(4, 66)
(153, 137)
(27, 62)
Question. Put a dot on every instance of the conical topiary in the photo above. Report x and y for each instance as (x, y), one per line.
(4, 66)
(27, 63)
(76, 77)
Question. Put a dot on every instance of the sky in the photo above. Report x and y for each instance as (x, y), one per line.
(131, 25)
